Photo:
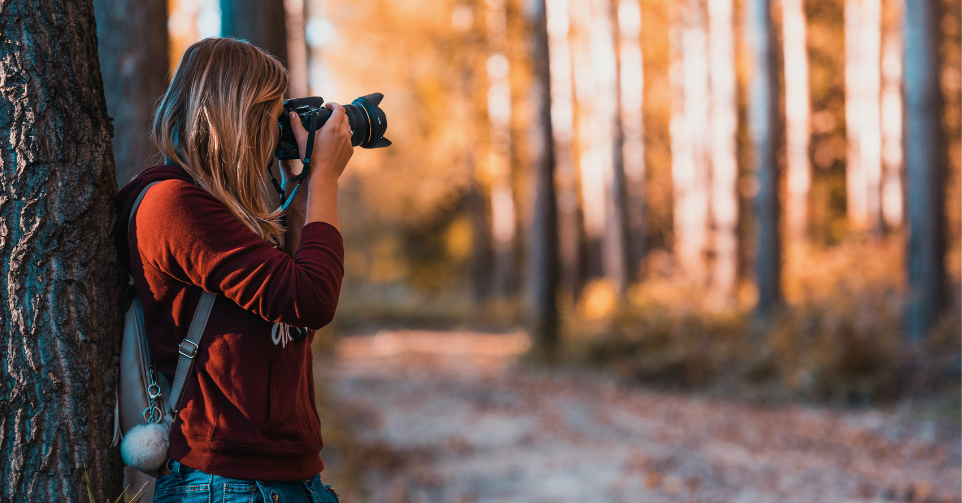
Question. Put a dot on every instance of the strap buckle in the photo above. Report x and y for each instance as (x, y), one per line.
(191, 352)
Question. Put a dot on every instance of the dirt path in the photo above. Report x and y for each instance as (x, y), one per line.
(458, 422)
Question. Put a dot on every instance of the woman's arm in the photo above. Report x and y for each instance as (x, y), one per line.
(332, 151)
(185, 232)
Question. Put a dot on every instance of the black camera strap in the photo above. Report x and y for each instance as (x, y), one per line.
(311, 130)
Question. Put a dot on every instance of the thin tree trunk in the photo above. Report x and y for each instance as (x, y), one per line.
(862, 112)
(798, 118)
(689, 139)
(631, 80)
(855, 197)
(296, 47)
(260, 22)
(503, 212)
(591, 157)
(870, 141)
(610, 139)
(543, 243)
(924, 168)
(724, 165)
(562, 128)
(62, 287)
(132, 38)
(892, 196)
(763, 129)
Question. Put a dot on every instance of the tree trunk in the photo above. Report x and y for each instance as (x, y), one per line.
(892, 192)
(503, 211)
(591, 157)
(724, 164)
(610, 139)
(61, 284)
(132, 38)
(689, 138)
(562, 129)
(763, 129)
(260, 22)
(924, 168)
(296, 47)
(863, 170)
(631, 86)
(543, 242)
(798, 117)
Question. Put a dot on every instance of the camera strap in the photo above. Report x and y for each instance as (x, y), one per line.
(311, 130)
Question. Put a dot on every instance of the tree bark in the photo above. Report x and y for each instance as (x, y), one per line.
(925, 169)
(62, 287)
(543, 244)
(763, 129)
(132, 36)
(260, 22)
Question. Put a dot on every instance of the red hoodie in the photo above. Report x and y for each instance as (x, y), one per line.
(248, 409)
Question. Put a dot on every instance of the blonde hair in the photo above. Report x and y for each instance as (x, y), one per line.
(216, 122)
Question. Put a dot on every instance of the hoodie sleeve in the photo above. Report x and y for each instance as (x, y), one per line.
(184, 231)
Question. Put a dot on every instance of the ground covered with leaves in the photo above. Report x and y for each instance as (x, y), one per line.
(454, 417)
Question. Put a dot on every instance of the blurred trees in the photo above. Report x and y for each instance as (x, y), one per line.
(669, 147)
(62, 287)
(132, 43)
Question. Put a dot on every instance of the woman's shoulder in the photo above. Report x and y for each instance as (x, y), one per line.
(173, 204)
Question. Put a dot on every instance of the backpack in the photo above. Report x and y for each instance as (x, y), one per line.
(146, 403)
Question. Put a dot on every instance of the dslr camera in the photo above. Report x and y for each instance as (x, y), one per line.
(368, 124)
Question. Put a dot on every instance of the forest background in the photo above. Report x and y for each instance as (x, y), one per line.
(737, 197)
(660, 243)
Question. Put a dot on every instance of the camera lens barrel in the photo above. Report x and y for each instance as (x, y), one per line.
(366, 119)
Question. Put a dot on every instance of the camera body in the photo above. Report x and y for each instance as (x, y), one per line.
(367, 121)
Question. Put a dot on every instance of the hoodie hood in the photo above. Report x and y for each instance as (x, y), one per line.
(124, 202)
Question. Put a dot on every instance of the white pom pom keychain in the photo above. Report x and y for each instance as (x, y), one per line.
(144, 447)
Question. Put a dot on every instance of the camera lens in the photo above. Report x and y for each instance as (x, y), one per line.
(365, 118)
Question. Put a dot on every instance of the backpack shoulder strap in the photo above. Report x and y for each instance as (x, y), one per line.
(191, 344)
(189, 348)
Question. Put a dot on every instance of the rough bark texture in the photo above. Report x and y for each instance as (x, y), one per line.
(924, 168)
(132, 36)
(260, 22)
(543, 245)
(61, 284)
(763, 126)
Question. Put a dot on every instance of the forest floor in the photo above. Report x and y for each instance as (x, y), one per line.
(453, 417)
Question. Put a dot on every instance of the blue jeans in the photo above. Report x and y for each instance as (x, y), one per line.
(186, 485)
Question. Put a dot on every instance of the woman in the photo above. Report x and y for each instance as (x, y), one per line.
(248, 429)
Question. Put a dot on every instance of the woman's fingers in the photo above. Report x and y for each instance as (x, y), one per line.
(300, 134)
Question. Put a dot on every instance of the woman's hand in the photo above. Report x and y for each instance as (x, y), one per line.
(299, 204)
(332, 144)
(332, 151)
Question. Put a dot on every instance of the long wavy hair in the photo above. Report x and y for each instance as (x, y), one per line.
(216, 121)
